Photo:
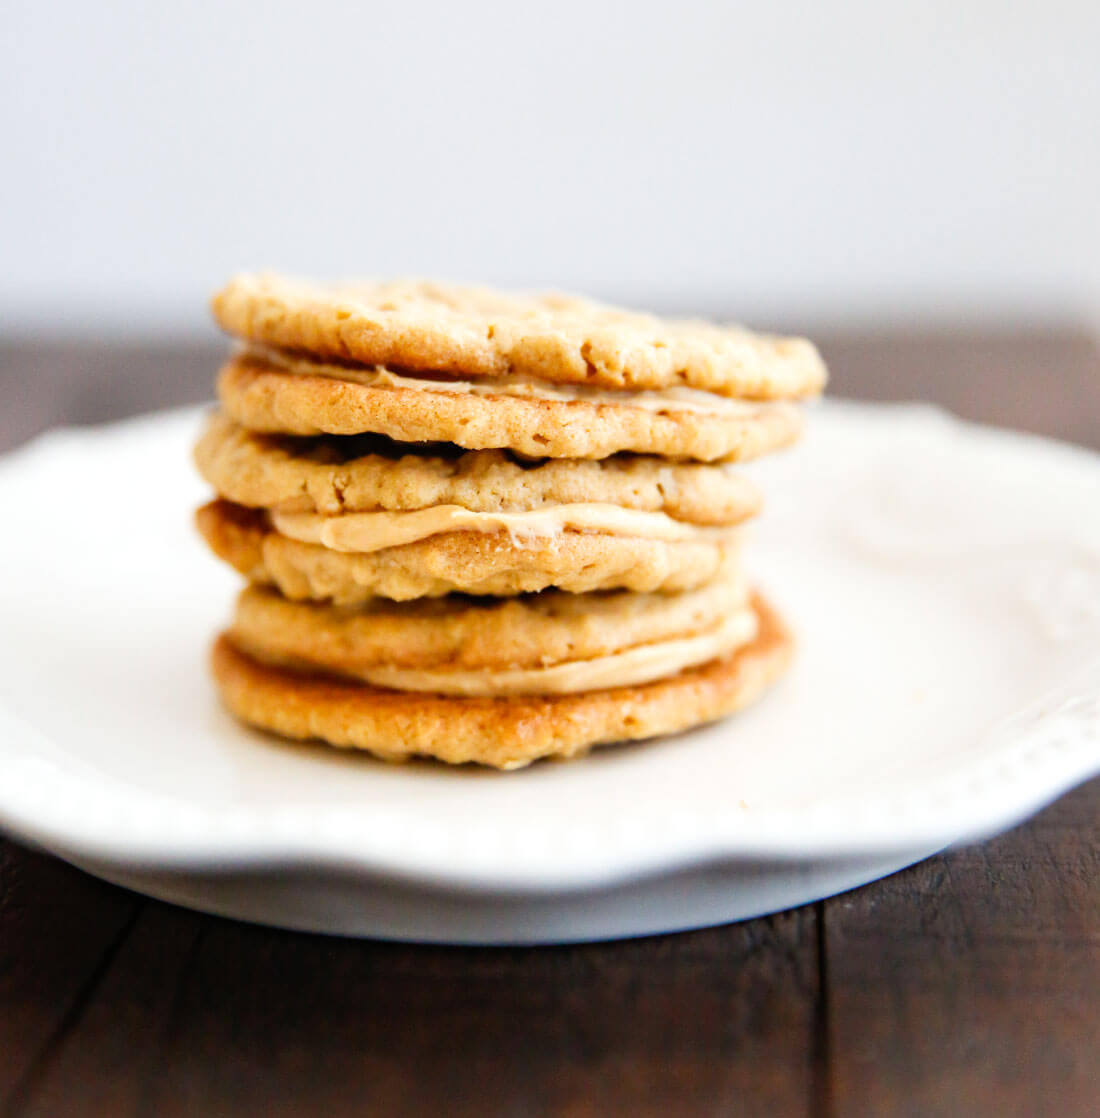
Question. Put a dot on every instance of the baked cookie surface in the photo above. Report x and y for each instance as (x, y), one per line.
(333, 475)
(469, 562)
(475, 332)
(462, 633)
(504, 733)
(266, 396)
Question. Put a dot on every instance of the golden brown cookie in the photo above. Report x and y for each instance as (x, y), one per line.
(475, 332)
(628, 667)
(464, 633)
(504, 733)
(464, 561)
(333, 475)
(263, 396)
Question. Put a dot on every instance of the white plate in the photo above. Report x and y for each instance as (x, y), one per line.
(944, 579)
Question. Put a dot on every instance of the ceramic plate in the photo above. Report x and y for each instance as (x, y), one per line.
(944, 580)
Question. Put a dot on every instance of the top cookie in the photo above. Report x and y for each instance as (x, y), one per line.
(475, 332)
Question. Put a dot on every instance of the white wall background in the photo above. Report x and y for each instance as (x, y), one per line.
(855, 159)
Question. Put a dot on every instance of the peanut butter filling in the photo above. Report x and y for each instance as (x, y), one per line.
(628, 668)
(678, 398)
(364, 532)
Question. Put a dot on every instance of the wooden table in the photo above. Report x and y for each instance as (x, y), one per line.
(967, 985)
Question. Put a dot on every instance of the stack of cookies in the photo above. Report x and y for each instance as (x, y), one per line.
(487, 527)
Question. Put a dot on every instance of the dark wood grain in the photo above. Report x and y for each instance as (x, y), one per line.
(969, 984)
(59, 931)
(275, 1023)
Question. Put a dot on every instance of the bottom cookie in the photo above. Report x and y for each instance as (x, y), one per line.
(503, 733)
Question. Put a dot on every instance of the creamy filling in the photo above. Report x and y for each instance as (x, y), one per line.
(629, 668)
(364, 532)
(677, 398)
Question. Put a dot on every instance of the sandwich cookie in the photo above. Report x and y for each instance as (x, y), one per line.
(545, 643)
(465, 332)
(331, 475)
(353, 557)
(506, 731)
(276, 392)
